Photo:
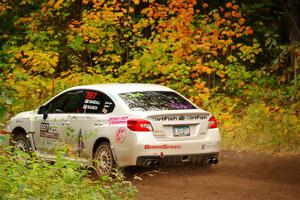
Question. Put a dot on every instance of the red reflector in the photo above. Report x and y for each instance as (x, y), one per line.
(139, 125)
(212, 123)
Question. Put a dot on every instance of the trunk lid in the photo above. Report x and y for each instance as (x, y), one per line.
(179, 124)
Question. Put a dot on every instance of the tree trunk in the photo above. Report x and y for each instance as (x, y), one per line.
(294, 36)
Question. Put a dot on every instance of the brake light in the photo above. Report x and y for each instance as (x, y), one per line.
(212, 123)
(139, 125)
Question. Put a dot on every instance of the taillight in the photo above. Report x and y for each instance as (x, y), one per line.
(139, 125)
(212, 123)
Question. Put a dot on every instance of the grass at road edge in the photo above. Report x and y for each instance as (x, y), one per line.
(28, 177)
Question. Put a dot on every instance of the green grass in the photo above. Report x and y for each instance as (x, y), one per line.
(27, 177)
(261, 128)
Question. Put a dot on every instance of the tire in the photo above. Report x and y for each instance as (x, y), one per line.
(103, 159)
(20, 142)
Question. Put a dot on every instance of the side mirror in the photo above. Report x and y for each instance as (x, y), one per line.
(42, 110)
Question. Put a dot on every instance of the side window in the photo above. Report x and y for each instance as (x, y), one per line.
(67, 103)
(97, 102)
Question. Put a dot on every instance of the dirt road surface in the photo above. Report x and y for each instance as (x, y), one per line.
(237, 176)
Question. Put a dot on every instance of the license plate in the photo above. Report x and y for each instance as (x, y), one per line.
(179, 131)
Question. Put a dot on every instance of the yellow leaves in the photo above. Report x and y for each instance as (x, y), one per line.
(38, 61)
(131, 9)
(57, 5)
(97, 4)
(231, 58)
(51, 2)
(124, 10)
(136, 2)
(205, 5)
(23, 20)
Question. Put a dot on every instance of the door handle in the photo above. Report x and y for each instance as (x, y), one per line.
(65, 123)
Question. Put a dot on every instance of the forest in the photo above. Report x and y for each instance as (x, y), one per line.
(236, 59)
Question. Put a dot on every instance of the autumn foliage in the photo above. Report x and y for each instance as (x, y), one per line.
(201, 49)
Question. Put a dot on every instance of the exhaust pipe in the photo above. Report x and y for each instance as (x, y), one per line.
(155, 163)
(148, 163)
(215, 161)
(212, 161)
(151, 163)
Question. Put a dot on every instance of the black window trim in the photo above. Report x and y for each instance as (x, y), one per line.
(80, 102)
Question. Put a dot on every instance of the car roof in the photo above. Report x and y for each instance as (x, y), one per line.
(118, 88)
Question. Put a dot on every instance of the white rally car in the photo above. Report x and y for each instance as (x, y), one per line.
(119, 124)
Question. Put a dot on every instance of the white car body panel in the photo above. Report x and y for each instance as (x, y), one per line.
(127, 145)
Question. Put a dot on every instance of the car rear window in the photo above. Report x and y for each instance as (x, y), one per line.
(155, 101)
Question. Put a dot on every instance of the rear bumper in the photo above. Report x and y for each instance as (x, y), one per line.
(145, 146)
(177, 159)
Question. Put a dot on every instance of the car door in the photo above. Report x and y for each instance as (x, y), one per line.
(52, 130)
(93, 114)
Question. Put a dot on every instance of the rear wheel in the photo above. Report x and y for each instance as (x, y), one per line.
(104, 161)
(20, 142)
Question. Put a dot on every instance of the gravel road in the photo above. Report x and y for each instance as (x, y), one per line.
(237, 176)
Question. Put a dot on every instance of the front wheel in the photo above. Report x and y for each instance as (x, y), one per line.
(20, 142)
(104, 161)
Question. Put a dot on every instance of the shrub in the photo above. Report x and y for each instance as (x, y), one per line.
(264, 128)
(28, 177)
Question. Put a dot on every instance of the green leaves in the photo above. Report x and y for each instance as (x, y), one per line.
(28, 177)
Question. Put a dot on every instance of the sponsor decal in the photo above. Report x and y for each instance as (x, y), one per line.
(120, 135)
(181, 106)
(91, 95)
(117, 120)
(48, 131)
(95, 102)
(107, 105)
(90, 107)
(180, 118)
(203, 147)
(164, 146)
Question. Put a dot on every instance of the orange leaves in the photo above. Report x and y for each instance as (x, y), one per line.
(200, 68)
(227, 14)
(235, 7)
(228, 5)
(242, 21)
(166, 42)
(4, 6)
(249, 30)
(205, 5)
